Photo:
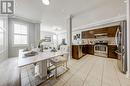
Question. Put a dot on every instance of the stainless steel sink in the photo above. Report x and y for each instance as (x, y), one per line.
(29, 54)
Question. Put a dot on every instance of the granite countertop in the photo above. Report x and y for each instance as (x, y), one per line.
(82, 44)
(90, 44)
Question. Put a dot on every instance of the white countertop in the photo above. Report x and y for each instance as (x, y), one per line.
(37, 58)
(82, 44)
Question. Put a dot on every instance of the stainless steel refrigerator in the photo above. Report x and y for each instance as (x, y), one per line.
(121, 42)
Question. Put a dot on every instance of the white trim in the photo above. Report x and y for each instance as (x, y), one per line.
(25, 19)
(128, 38)
(102, 22)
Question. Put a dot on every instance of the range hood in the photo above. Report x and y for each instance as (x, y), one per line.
(101, 35)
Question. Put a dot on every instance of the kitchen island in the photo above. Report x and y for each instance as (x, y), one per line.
(41, 57)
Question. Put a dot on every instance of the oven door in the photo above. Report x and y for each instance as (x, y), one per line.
(100, 50)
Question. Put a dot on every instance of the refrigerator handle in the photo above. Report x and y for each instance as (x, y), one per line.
(116, 36)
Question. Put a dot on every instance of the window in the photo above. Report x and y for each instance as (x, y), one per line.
(20, 34)
(1, 38)
(2, 31)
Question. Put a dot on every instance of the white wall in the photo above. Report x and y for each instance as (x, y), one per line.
(33, 28)
(85, 12)
(43, 34)
(54, 38)
(30, 9)
(109, 10)
(74, 33)
(37, 34)
(62, 36)
(4, 53)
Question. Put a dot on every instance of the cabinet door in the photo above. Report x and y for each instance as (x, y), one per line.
(84, 49)
(90, 34)
(111, 51)
(75, 53)
(112, 31)
(90, 49)
(83, 34)
(100, 31)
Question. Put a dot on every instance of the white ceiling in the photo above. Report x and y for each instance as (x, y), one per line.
(58, 11)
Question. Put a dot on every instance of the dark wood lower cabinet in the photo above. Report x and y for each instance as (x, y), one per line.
(77, 51)
(84, 49)
(88, 49)
(111, 51)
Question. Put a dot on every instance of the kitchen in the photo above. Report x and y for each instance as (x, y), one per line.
(107, 42)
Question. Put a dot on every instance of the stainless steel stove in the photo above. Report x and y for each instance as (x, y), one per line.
(101, 48)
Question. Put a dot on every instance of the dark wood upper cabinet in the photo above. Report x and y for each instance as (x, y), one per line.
(84, 34)
(87, 34)
(111, 31)
(100, 31)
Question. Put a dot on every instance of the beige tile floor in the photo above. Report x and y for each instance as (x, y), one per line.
(91, 71)
(88, 71)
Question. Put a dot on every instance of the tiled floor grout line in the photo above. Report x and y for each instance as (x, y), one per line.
(90, 68)
(111, 75)
(74, 73)
(50, 84)
(75, 63)
(88, 73)
(77, 69)
(78, 60)
(70, 77)
(66, 81)
(116, 72)
(103, 72)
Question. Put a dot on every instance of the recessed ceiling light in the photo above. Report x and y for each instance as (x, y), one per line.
(46, 2)
(125, 1)
(56, 28)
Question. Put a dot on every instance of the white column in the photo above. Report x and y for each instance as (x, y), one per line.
(69, 34)
(37, 34)
(128, 38)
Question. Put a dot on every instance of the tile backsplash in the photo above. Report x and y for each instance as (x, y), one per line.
(111, 40)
